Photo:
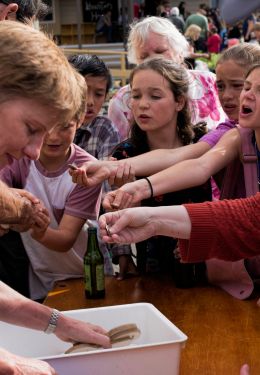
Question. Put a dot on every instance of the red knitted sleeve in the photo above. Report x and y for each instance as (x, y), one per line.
(228, 230)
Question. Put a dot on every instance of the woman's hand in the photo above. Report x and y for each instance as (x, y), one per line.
(16, 365)
(39, 220)
(26, 194)
(73, 330)
(127, 226)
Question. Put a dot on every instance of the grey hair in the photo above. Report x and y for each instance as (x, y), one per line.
(139, 33)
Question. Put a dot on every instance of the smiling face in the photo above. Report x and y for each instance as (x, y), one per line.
(23, 125)
(249, 116)
(153, 46)
(230, 80)
(96, 96)
(56, 145)
(152, 101)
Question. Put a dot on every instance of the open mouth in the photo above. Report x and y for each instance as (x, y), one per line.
(246, 110)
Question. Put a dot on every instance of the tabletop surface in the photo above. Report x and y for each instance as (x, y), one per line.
(223, 332)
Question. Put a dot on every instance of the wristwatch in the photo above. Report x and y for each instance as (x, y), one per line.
(53, 321)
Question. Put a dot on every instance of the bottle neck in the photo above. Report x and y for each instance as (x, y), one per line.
(93, 245)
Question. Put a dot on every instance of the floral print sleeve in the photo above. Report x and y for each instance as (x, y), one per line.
(119, 112)
(204, 101)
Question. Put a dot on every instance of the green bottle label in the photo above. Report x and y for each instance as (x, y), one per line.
(88, 285)
(100, 277)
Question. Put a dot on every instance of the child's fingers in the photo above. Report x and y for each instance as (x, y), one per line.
(42, 221)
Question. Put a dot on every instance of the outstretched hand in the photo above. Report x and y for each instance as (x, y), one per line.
(96, 172)
(91, 173)
(127, 226)
(127, 196)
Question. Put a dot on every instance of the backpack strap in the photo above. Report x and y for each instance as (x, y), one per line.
(249, 160)
(231, 178)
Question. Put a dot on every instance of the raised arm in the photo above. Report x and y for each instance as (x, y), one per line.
(195, 172)
(181, 176)
(227, 230)
(157, 160)
(137, 224)
(122, 171)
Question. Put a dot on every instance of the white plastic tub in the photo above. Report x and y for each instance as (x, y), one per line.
(156, 351)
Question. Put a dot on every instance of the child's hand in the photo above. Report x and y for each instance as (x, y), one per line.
(93, 173)
(123, 174)
(41, 225)
(126, 196)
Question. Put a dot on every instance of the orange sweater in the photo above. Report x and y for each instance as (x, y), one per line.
(227, 230)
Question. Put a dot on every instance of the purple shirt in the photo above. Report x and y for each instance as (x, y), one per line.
(214, 136)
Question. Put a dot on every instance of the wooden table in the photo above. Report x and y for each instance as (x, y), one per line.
(223, 332)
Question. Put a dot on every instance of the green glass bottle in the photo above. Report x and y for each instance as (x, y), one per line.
(94, 267)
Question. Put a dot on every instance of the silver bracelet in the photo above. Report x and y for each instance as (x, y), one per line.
(53, 321)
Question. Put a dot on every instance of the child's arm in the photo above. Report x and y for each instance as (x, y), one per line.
(62, 238)
(93, 173)
(181, 176)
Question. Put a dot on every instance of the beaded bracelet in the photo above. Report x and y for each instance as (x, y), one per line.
(150, 185)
